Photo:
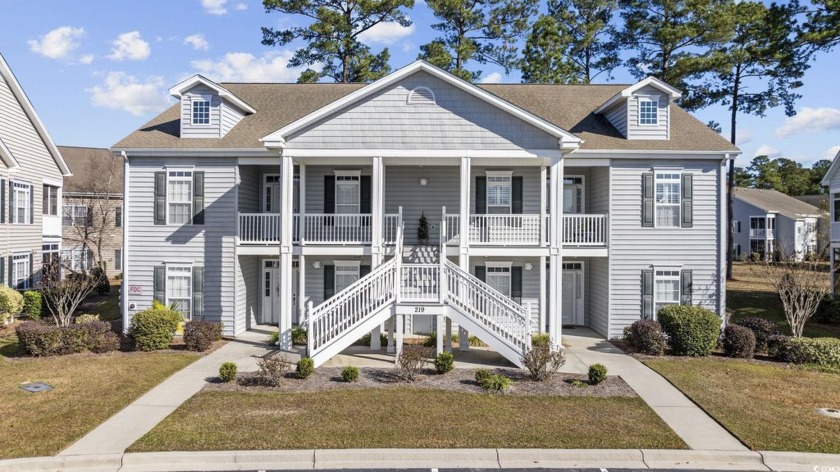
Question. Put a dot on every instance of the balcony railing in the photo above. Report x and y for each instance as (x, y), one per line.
(761, 234)
(525, 230)
(585, 230)
(336, 228)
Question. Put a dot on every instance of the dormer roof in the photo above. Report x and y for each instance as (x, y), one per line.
(628, 92)
(178, 90)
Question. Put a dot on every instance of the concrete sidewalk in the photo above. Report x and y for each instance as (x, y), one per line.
(693, 425)
(124, 428)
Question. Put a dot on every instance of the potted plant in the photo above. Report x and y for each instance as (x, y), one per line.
(423, 229)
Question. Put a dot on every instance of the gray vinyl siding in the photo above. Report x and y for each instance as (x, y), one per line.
(530, 187)
(315, 184)
(785, 235)
(618, 117)
(638, 131)
(248, 291)
(210, 245)
(633, 248)
(402, 188)
(457, 120)
(530, 280)
(598, 190)
(230, 117)
(212, 130)
(598, 284)
(742, 211)
(834, 227)
(250, 189)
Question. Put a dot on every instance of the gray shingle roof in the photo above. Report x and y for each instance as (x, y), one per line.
(773, 200)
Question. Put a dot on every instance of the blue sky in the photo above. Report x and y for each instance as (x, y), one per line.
(98, 69)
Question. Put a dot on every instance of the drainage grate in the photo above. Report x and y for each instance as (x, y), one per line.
(36, 387)
(832, 412)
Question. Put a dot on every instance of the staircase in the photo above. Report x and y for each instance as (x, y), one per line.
(419, 277)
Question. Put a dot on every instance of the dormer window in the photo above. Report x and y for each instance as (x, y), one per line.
(201, 112)
(648, 111)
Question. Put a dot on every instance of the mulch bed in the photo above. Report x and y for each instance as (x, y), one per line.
(459, 380)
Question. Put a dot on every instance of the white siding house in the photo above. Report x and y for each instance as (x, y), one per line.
(547, 207)
(832, 181)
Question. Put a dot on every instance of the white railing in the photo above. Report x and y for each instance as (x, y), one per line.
(761, 234)
(389, 228)
(335, 228)
(500, 315)
(453, 227)
(585, 230)
(419, 283)
(505, 229)
(525, 230)
(259, 228)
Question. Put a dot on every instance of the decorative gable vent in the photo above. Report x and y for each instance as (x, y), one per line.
(421, 96)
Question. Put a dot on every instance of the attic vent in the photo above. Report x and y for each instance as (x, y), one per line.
(421, 96)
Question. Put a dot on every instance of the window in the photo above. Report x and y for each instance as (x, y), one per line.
(201, 112)
(347, 193)
(50, 200)
(667, 199)
(667, 291)
(75, 215)
(648, 111)
(498, 193)
(346, 274)
(50, 257)
(736, 226)
(21, 202)
(736, 251)
(21, 271)
(498, 277)
(836, 198)
(179, 288)
(78, 259)
(179, 196)
(117, 259)
(118, 217)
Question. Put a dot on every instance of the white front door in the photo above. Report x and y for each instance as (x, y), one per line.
(573, 293)
(271, 292)
(573, 195)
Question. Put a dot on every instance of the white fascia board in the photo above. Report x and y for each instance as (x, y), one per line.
(826, 180)
(178, 90)
(7, 157)
(420, 153)
(652, 81)
(642, 154)
(194, 152)
(277, 138)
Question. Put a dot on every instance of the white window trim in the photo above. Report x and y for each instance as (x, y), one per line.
(169, 200)
(70, 209)
(171, 266)
(500, 265)
(57, 189)
(415, 89)
(656, 277)
(355, 264)
(582, 186)
(118, 260)
(209, 101)
(25, 187)
(508, 174)
(647, 98)
(357, 174)
(82, 252)
(656, 204)
(25, 259)
(347, 173)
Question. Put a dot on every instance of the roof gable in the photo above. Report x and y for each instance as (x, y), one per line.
(629, 91)
(198, 79)
(835, 165)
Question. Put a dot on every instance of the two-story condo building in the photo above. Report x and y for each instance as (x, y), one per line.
(547, 206)
(832, 181)
(31, 172)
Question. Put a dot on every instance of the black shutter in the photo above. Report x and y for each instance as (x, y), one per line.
(160, 198)
(118, 217)
(2, 201)
(11, 202)
(11, 272)
(516, 195)
(198, 198)
(481, 273)
(31, 269)
(198, 293)
(160, 284)
(687, 195)
(480, 195)
(89, 217)
(647, 294)
(516, 284)
(2, 271)
(329, 199)
(647, 199)
(31, 215)
(685, 287)
(329, 281)
(365, 194)
(364, 270)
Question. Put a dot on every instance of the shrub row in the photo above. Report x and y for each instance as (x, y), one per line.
(820, 352)
(40, 339)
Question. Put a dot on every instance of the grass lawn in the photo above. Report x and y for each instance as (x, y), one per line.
(106, 306)
(747, 296)
(405, 418)
(88, 390)
(767, 406)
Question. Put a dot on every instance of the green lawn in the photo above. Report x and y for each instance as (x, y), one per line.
(767, 406)
(106, 306)
(405, 418)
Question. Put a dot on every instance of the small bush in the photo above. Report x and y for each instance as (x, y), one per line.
(410, 361)
(542, 361)
(691, 330)
(481, 375)
(820, 352)
(828, 311)
(540, 339)
(496, 383)
(272, 370)
(597, 374)
(738, 341)
(762, 329)
(32, 304)
(350, 374)
(274, 339)
(299, 336)
(646, 337)
(305, 367)
(227, 372)
(108, 342)
(444, 362)
(152, 328)
(200, 335)
(11, 303)
(40, 339)
(777, 347)
(85, 318)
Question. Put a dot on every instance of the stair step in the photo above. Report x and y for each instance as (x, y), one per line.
(421, 254)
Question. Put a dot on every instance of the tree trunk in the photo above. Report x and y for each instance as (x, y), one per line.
(730, 195)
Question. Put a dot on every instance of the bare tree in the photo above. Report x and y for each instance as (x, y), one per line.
(62, 295)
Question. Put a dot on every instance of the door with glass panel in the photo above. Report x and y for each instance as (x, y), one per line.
(573, 195)
(572, 303)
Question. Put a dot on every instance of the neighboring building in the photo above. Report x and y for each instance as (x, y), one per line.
(768, 222)
(92, 216)
(31, 172)
(300, 203)
(832, 181)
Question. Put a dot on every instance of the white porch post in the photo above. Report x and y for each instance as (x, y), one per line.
(377, 220)
(543, 288)
(287, 172)
(555, 303)
(400, 329)
(543, 201)
(301, 290)
(464, 251)
(301, 203)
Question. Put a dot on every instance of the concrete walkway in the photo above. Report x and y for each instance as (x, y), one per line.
(123, 429)
(693, 425)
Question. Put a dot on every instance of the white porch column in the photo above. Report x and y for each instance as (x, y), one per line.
(464, 252)
(555, 303)
(543, 288)
(287, 172)
(301, 202)
(301, 290)
(543, 201)
(400, 329)
(377, 220)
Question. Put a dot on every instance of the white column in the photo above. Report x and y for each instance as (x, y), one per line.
(439, 331)
(543, 201)
(287, 172)
(390, 326)
(555, 305)
(447, 339)
(464, 252)
(377, 219)
(301, 202)
(400, 328)
(301, 289)
(543, 298)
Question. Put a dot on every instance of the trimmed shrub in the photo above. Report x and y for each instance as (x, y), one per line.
(542, 361)
(444, 362)
(777, 347)
(597, 373)
(227, 372)
(85, 318)
(299, 336)
(762, 329)
(540, 339)
(200, 335)
(646, 337)
(821, 352)
(738, 341)
(108, 342)
(305, 367)
(828, 311)
(481, 375)
(350, 374)
(153, 328)
(272, 370)
(11, 303)
(32, 304)
(410, 361)
(40, 339)
(496, 383)
(691, 330)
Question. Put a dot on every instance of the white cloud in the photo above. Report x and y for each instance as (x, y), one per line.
(214, 7)
(810, 120)
(744, 136)
(240, 7)
(130, 46)
(491, 78)
(769, 151)
(197, 41)
(121, 91)
(386, 33)
(245, 67)
(58, 43)
(831, 152)
(86, 59)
